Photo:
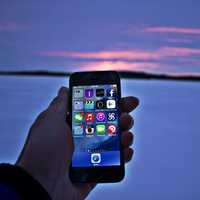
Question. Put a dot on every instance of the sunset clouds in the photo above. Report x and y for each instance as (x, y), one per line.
(169, 34)
(67, 36)
(173, 30)
(126, 55)
(130, 60)
(173, 51)
(118, 65)
(103, 55)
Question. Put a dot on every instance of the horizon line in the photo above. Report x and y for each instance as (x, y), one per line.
(123, 74)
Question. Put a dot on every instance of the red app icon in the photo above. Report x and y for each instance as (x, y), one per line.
(89, 117)
(112, 129)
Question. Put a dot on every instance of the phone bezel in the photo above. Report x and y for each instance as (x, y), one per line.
(99, 174)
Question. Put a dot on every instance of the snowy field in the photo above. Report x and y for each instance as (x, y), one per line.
(167, 134)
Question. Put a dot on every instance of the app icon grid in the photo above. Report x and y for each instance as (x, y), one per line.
(94, 100)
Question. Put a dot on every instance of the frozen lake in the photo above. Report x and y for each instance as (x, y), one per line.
(167, 134)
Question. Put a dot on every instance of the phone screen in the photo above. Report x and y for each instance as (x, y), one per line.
(95, 128)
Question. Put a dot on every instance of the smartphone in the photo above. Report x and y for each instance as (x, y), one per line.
(95, 112)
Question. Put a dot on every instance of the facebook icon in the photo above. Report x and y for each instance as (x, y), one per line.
(111, 92)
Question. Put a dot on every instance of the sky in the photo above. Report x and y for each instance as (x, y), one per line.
(138, 35)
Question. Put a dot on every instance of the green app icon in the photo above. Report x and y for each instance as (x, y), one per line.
(78, 117)
(100, 129)
(89, 104)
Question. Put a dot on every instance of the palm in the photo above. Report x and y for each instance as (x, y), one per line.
(48, 150)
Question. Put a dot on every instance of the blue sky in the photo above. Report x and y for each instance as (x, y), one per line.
(153, 36)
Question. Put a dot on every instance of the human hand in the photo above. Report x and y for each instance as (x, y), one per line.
(48, 150)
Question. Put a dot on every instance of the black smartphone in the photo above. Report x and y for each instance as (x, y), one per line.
(95, 111)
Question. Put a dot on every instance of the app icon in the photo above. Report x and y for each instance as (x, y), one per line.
(100, 129)
(89, 104)
(111, 92)
(78, 105)
(100, 104)
(112, 129)
(78, 117)
(100, 92)
(89, 130)
(111, 116)
(111, 103)
(100, 116)
(89, 93)
(78, 130)
(95, 158)
(89, 117)
(78, 93)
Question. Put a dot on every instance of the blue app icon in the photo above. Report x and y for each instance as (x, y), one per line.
(78, 105)
(95, 158)
(111, 92)
(78, 130)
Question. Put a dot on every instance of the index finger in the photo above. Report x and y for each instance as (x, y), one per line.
(129, 103)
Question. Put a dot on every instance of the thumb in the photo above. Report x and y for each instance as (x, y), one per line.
(60, 104)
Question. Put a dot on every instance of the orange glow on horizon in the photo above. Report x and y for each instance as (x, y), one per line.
(101, 54)
(120, 66)
(128, 55)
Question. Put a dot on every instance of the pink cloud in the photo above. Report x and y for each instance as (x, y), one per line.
(8, 26)
(118, 65)
(12, 26)
(99, 65)
(105, 55)
(175, 51)
(195, 62)
(171, 34)
(180, 40)
(172, 30)
(128, 55)
(157, 59)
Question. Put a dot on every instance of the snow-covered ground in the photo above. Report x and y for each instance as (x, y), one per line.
(167, 134)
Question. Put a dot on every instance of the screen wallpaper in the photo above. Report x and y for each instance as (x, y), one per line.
(95, 113)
